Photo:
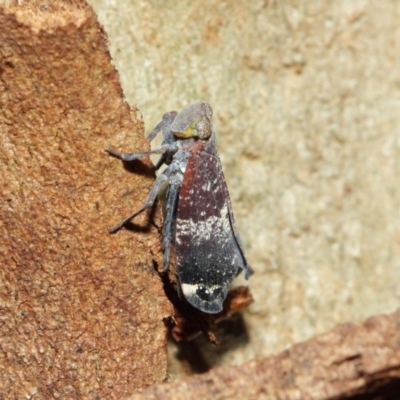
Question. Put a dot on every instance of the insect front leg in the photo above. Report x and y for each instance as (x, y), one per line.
(164, 126)
(135, 156)
(155, 131)
(168, 147)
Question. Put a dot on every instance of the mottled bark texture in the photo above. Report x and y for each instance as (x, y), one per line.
(81, 310)
(353, 361)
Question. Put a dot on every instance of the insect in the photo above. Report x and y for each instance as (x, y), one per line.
(198, 216)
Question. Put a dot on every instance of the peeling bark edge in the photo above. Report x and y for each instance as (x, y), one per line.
(353, 361)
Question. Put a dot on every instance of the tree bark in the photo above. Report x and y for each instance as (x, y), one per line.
(81, 310)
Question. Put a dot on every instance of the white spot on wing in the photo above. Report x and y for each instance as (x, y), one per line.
(205, 230)
(189, 290)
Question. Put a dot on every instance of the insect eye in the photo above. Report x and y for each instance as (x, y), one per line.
(203, 128)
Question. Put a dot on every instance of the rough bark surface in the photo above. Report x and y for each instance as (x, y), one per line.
(81, 310)
(353, 361)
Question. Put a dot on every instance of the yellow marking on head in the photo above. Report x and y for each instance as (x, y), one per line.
(200, 127)
(190, 131)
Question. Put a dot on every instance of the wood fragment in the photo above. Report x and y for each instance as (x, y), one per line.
(353, 361)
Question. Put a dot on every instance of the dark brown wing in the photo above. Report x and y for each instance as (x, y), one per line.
(208, 254)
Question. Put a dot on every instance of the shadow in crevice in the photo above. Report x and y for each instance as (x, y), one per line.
(200, 355)
(380, 390)
(140, 167)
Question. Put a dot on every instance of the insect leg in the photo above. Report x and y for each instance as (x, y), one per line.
(248, 270)
(148, 204)
(172, 169)
(161, 162)
(173, 192)
(135, 156)
(155, 131)
(164, 126)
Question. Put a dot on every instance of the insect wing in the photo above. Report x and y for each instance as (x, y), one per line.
(208, 257)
